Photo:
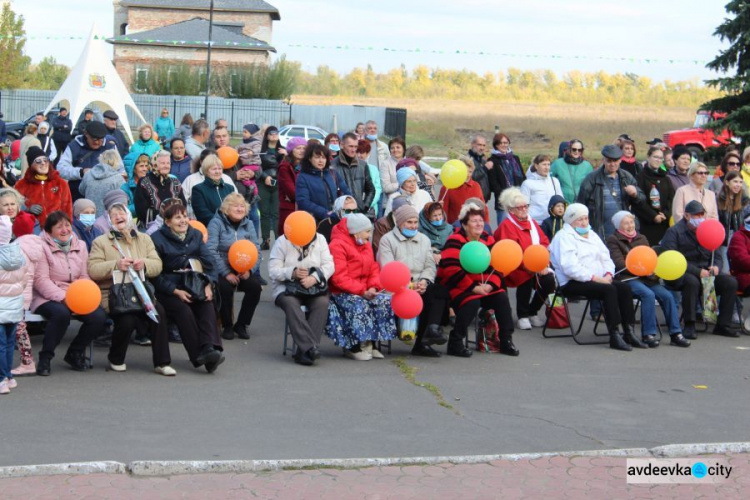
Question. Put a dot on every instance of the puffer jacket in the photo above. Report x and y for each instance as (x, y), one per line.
(175, 255)
(222, 234)
(318, 189)
(104, 256)
(591, 194)
(56, 270)
(79, 156)
(32, 247)
(149, 147)
(356, 268)
(99, 181)
(51, 194)
(12, 283)
(207, 197)
(286, 257)
(356, 174)
(415, 252)
(539, 190)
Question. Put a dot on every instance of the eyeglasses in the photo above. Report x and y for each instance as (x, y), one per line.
(521, 207)
(41, 160)
(733, 164)
(576, 150)
(703, 172)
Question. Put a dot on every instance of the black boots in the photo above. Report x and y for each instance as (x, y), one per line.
(433, 334)
(43, 367)
(76, 360)
(632, 339)
(456, 346)
(616, 341)
(507, 347)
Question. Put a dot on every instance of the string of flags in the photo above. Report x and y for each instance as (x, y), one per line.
(371, 48)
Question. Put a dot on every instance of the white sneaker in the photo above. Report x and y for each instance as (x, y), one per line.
(165, 370)
(4, 389)
(118, 368)
(358, 356)
(524, 324)
(537, 321)
(12, 384)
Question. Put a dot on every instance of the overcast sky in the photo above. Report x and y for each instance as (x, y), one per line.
(591, 29)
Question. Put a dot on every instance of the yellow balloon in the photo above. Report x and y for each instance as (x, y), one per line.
(453, 174)
(671, 265)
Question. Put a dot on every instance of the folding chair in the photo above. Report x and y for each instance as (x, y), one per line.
(574, 333)
(288, 333)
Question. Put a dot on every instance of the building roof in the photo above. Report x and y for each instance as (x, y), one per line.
(231, 5)
(193, 33)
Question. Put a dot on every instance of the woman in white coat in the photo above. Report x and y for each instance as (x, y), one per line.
(583, 267)
(299, 277)
(539, 187)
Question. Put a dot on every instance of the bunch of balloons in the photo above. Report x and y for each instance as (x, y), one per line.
(396, 277)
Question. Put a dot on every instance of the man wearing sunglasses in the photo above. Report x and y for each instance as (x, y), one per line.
(82, 154)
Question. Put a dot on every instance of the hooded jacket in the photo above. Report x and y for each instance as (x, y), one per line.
(52, 194)
(356, 268)
(520, 232)
(56, 270)
(570, 176)
(141, 147)
(32, 247)
(222, 234)
(356, 174)
(175, 255)
(539, 190)
(645, 212)
(437, 235)
(591, 194)
(12, 283)
(207, 198)
(553, 224)
(316, 190)
(99, 181)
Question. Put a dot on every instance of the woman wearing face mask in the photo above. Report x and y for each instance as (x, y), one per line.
(695, 190)
(655, 212)
(359, 314)
(11, 202)
(570, 170)
(583, 267)
(406, 244)
(45, 191)
(84, 213)
(432, 224)
(731, 203)
(107, 175)
(65, 260)
(333, 143)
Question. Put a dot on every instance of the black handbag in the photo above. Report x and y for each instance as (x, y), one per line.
(195, 284)
(124, 299)
(295, 288)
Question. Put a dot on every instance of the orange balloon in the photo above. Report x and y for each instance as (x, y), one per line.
(243, 254)
(228, 156)
(641, 261)
(200, 227)
(155, 136)
(83, 296)
(506, 256)
(536, 258)
(299, 228)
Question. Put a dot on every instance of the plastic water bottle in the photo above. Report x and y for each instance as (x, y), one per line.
(655, 198)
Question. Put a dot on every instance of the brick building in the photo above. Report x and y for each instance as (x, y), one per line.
(151, 31)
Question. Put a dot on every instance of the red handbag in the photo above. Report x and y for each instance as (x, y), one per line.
(557, 318)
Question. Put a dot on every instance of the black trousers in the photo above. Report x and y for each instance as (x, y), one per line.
(467, 312)
(726, 291)
(435, 310)
(196, 322)
(58, 319)
(251, 288)
(123, 328)
(616, 298)
(543, 285)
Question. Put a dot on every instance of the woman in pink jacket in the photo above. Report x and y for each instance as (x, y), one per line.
(65, 260)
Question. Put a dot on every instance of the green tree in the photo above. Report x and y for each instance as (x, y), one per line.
(736, 102)
(48, 74)
(13, 62)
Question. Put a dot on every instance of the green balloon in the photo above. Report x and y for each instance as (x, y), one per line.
(475, 257)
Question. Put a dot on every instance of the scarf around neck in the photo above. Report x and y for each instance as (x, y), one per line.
(573, 161)
(526, 225)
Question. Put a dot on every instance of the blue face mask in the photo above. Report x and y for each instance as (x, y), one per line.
(583, 230)
(409, 233)
(87, 219)
(60, 242)
(334, 147)
(696, 222)
(437, 223)
(360, 241)
(371, 137)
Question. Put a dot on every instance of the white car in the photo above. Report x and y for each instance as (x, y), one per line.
(306, 131)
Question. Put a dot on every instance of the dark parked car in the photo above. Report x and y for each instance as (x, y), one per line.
(15, 129)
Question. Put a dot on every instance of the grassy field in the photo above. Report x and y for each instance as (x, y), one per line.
(444, 128)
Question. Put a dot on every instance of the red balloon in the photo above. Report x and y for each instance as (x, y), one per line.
(395, 276)
(710, 234)
(407, 304)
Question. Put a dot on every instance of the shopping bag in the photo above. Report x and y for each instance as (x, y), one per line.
(557, 317)
(710, 304)
(487, 339)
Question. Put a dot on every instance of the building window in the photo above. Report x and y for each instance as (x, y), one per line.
(124, 29)
(141, 80)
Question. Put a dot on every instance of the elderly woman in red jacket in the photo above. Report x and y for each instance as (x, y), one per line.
(521, 228)
(470, 291)
(358, 314)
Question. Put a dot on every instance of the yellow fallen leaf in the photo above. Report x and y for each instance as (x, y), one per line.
(700, 387)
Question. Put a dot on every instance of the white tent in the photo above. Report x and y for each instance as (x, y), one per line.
(94, 80)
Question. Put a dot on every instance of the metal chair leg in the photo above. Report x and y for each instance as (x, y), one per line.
(567, 313)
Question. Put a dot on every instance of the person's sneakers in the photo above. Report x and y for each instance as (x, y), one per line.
(141, 340)
(524, 324)
(165, 370)
(651, 341)
(424, 351)
(357, 356)
(43, 367)
(241, 332)
(303, 358)
(174, 334)
(538, 321)
(725, 331)
(4, 389)
(689, 331)
(212, 366)
(12, 384)
(117, 368)
(76, 360)
(677, 339)
(227, 333)
(208, 355)
(24, 370)
(433, 335)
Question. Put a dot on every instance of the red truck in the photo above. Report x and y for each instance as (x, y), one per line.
(698, 139)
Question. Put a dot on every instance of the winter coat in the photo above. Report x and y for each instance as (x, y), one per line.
(481, 175)
(316, 190)
(164, 128)
(539, 190)
(453, 199)
(677, 179)
(498, 178)
(731, 220)
(387, 174)
(12, 283)
(193, 180)
(56, 270)
(141, 147)
(631, 166)
(32, 247)
(437, 235)
(577, 258)
(79, 156)
(286, 181)
(418, 199)
(86, 234)
(23, 224)
(52, 194)
(356, 268)
(181, 168)
(647, 179)
(739, 255)
(222, 234)
(152, 190)
(591, 194)
(99, 181)
(690, 192)
(553, 224)
(460, 283)
(62, 128)
(415, 252)
(682, 238)
(104, 256)
(520, 232)
(175, 255)
(570, 177)
(207, 197)
(619, 246)
(356, 174)
(286, 257)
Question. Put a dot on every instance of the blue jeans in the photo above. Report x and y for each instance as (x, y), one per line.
(254, 217)
(649, 294)
(7, 344)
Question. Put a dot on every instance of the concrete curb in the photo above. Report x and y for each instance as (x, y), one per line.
(152, 468)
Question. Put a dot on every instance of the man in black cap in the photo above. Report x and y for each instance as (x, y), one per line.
(88, 117)
(83, 154)
(701, 263)
(63, 129)
(110, 121)
(607, 190)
